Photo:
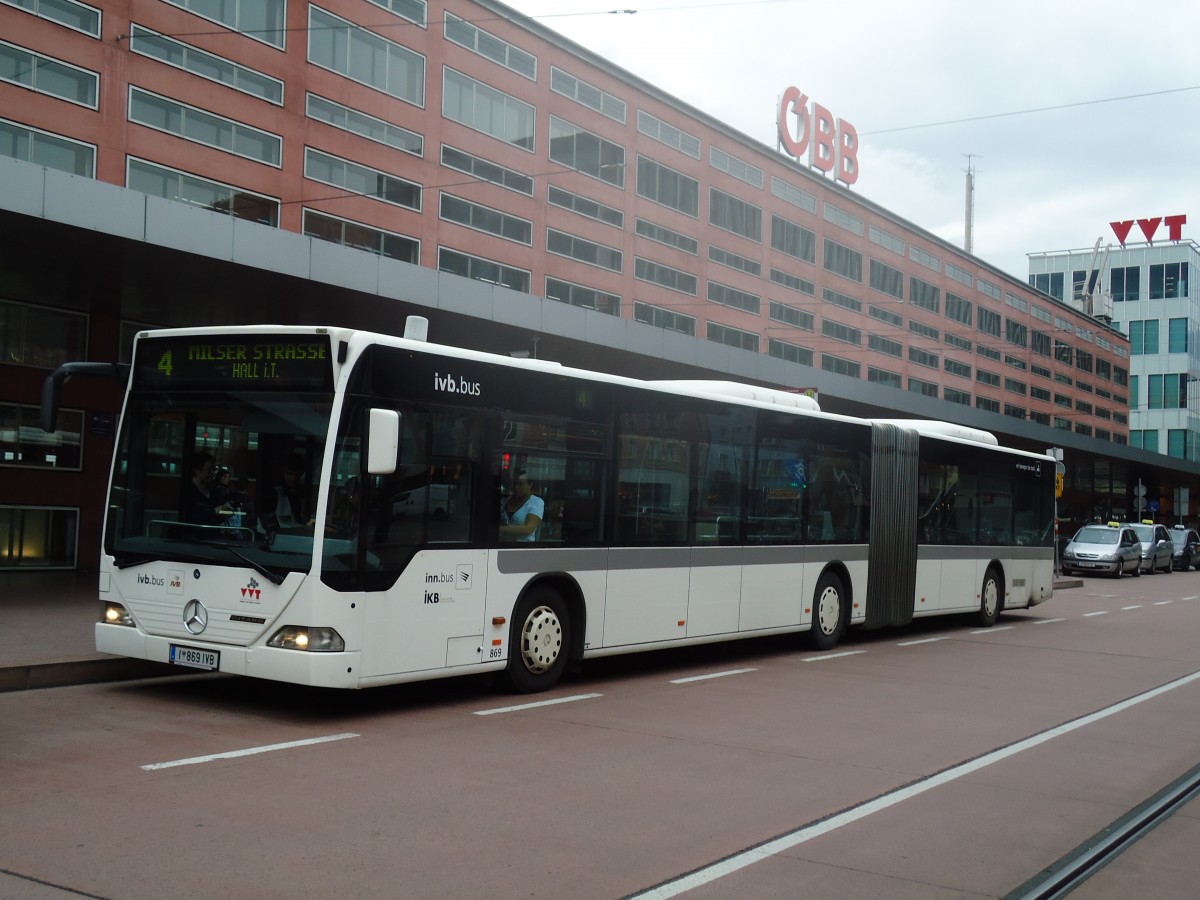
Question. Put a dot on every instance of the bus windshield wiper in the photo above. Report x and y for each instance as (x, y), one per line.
(258, 567)
(125, 561)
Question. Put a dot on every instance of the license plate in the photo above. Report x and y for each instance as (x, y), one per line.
(193, 658)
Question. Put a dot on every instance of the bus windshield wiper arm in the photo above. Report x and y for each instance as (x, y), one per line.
(262, 570)
(125, 562)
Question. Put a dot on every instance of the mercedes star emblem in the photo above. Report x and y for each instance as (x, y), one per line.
(195, 617)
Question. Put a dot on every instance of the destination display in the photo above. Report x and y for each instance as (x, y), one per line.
(220, 361)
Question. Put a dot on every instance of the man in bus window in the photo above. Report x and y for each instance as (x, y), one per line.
(521, 514)
(290, 509)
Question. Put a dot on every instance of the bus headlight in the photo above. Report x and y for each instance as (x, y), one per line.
(297, 637)
(115, 614)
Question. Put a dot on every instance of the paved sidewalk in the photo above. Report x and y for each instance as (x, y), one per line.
(47, 636)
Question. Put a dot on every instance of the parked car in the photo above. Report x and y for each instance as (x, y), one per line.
(1187, 547)
(1157, 548)
(1111, 549)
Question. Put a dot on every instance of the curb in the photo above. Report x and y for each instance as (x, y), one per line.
(89, 671)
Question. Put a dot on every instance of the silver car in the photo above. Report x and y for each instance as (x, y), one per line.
(1110, 549)
(1157, 548)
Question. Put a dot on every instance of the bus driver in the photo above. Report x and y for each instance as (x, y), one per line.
(521, 514)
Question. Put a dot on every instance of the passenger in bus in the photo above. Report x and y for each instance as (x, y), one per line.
(344, 517)
(200, 503)
(290, 503)
(521, 514)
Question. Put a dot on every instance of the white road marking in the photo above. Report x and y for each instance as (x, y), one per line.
(832, 656)
(1127, 608)
(922, 641)
(540, 703)
(1047, 621)
(771, 848)
(1164, 602)
(251, 751)
(1099, 612)
(711, 675)
(1190, 598)
(993, 629)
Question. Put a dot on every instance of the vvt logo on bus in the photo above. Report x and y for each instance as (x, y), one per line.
(450, 385)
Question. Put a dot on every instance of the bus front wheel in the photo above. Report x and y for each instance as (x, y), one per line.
(540, 641)
(829, 613)
(991, 599)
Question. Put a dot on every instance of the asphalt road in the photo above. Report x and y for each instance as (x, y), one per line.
(939, 760)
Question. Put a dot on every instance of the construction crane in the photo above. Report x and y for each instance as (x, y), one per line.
(1096, 301)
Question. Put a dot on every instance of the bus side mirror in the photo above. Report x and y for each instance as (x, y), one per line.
(383, 441)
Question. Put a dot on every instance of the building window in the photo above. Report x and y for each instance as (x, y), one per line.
(925, 295)
(989, 322)
(413, 10)
(734, 215)
(738, 168)
(371, 128)
(886, 279)
(664, 276)
(921, 257)
(204, 127)
(173, 185)
(883, 376)
(1040, 343)
(45, 149)
(840, 366)
(954, 367)
(1048, 283)
(962, 276)
(917, 386)
(953, 395)
(585, 206)
(991, 290)
(1125, 283)
(960, 343)
(664, 318)
(1177, 339)
(959, 309)
(885, 315)
(793, 282)
(790, 315)
(1016, 333)
(841, 260)
(1143, 337)
(577, 149)
(1015, 387)
(361, 237)
(885, 239)
(837, 298)
(987, 404)
(1083, 360)
(789, 193)
(38, 537)
(206, 65)
(666, 236)
(593, 253)
(843, 219)
(262, 20)
(562, 82)
(367, 58)
(487, 45)
(667, 187)
(585, 297)
(481, 269)
(790, 352)
(70, 13)
(794, 240)
(484, 218)
(840, 332)
(880, 344)
(486, 170)
(1177, 441)
(664, 133)
(358, 179)
(487, 110)
(731, 260)
(24, 444)
(924, 358)
(732, 337)
(1014, 412)
(48, 76)
(727, 296)
(1168, 280)
(983, 376)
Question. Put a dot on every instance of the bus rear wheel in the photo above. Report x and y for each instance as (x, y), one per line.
(991, 599)
(540, 641)
(829, 613)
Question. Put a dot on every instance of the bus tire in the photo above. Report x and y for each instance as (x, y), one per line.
(991, 598)
(540, 641)
(829, 613)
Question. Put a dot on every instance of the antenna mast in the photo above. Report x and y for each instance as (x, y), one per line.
(969, 227)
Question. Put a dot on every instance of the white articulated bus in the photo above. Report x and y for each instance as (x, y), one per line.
(359, 538)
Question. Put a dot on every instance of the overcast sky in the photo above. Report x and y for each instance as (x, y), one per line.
(1045, 180)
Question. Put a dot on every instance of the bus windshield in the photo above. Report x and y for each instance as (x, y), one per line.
(227, 477)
